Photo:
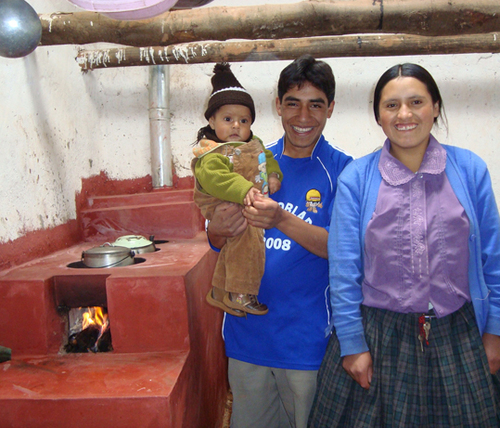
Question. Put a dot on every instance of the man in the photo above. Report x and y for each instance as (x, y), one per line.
(273, 359)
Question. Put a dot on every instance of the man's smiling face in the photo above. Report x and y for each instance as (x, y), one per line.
(304, 113)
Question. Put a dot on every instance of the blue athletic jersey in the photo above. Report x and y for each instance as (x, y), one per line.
(295, 282)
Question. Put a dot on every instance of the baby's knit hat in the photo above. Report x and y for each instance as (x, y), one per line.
(227, 90)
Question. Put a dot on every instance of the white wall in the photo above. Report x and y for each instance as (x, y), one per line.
(61, 125)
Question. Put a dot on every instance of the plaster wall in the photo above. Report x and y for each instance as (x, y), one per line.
(60, 125)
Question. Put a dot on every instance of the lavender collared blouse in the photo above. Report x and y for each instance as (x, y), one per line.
(416, 243)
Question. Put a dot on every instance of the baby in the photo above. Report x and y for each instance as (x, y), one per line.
(232, 164)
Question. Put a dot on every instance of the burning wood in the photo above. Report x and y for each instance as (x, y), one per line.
(89, 330)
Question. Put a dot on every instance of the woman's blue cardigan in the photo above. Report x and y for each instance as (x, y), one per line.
(355, 203)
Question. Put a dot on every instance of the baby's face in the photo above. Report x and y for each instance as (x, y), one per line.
(232, 122)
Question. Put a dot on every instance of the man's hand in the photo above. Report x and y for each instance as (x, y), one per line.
(267, 213)
(264, 213)
(274, 184)
(227, 221)
(359, 367)
(491, 344)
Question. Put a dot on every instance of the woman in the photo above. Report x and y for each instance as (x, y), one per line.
(414, 253)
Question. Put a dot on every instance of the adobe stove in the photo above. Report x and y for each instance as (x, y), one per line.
(164, 365)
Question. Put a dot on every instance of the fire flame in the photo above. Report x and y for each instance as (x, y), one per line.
(88, 330)
(95, 315)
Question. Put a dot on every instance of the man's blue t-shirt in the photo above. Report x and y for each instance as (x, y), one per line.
(295, 282)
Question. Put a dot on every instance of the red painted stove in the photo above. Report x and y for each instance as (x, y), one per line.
(167, 367)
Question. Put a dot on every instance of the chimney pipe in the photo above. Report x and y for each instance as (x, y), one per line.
(159, 125)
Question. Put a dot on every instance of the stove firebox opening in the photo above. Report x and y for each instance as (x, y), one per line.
(88, 330)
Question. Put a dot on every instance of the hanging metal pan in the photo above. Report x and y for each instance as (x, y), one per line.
(107, 255)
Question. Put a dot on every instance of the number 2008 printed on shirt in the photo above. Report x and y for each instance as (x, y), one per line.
(278, 244)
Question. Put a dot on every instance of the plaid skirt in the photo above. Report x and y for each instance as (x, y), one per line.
(447, 385)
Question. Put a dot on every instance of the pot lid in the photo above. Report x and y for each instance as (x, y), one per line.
(107, 249)
(133, 241)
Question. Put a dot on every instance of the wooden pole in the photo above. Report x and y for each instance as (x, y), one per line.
(288, 49)
(305, 19)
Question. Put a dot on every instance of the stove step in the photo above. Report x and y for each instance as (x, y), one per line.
(165, 220)
(93, 390)
(153, 197)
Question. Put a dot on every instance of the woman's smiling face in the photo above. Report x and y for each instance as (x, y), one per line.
(407, 114)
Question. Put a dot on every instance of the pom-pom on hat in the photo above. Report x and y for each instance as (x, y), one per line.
(227, 90)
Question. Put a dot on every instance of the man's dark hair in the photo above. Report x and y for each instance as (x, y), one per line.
(307, 69)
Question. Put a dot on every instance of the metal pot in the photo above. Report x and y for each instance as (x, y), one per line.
(138, 243)
(108, 255)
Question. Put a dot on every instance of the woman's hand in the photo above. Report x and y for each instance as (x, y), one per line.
(359, 367)
(491, 344)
